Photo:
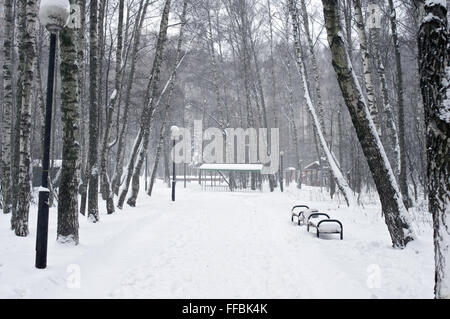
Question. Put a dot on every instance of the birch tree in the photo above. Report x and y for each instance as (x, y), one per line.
(315, 68)
(6, 133)
(67, 230)
(401, 105)
(290, 104)
(118, 172)
(93, 214)
(213, 63)
(15, 156)
(367, 64)
(81, 44)
(390, 123)
(152, 104)
(335, 169)
(134, 167)
(27, 8)
(394, 211)
(106, 185)
(434, 68)
(167, 106)
(260, 91)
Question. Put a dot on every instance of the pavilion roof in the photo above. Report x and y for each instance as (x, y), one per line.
(232, 167)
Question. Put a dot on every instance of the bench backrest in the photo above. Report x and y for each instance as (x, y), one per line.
(299, 208)
(308, 213)
(315, 218)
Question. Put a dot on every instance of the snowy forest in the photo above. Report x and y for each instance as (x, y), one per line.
(92, 93)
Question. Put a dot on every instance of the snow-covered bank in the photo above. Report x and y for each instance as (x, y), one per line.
(219, 245)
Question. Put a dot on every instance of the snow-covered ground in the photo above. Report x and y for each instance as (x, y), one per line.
(219, 245)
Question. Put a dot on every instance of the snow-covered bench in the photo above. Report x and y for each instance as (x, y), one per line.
(304, 215)
(297, 211)
(324, 224)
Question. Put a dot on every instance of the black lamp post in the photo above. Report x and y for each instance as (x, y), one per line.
(281, 171)
(174, 130)
(54, 16)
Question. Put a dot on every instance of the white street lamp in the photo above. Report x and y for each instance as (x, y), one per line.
(53, 15)
(174, 130)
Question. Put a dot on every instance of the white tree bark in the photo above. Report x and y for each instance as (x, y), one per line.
(367, 64)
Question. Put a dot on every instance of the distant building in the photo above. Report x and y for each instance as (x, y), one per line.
(315, 174)
(311, 174)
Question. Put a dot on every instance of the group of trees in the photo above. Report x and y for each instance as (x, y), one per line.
(131, 67)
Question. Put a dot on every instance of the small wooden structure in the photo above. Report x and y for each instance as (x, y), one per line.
(310, 174)
(231, 177)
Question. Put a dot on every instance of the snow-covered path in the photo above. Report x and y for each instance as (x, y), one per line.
(219, 245)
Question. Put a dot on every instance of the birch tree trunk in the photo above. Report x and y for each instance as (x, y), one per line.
(273, 83)
(152, 107)
(81, 96)
(149, 108)
(106, 185)
(21, 26)
(294, 128)
(213, 63)
(159, 149)
(6, 133)
(391, 125)
(272, 66)
(367, 64)
(263, 102)
(291, 113)
(67, 230)
(246, 60)
(337, 174)
(401, 108)
(395, 213)
(41, 94)
(166, 110)
(302, 57)
(93, 214)
(118, 172)
(315, 68)
(28, 46)
(347, 11)
(101, 4)
(434, 68)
